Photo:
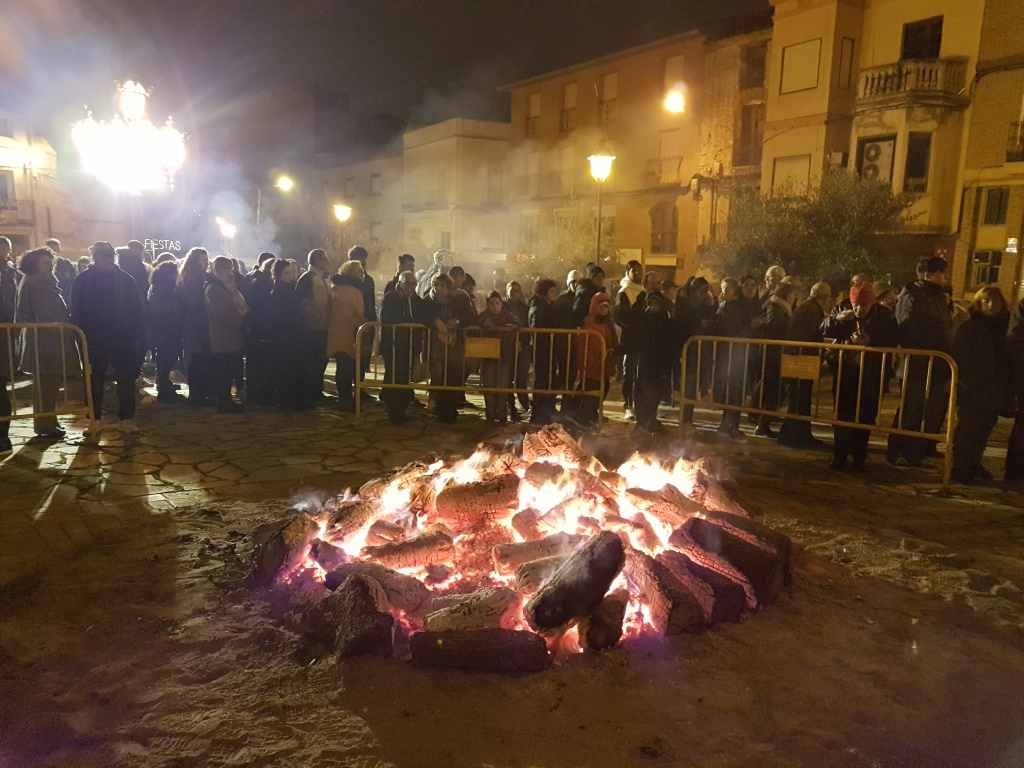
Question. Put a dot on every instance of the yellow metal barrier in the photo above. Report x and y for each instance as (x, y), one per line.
(797, 361)
(422, 370)
(47, 379)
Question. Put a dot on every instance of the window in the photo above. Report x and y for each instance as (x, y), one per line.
(747, 149)
(922, 39)
(845, 63)
(375, 231)
(875, 158)
(350, 186)
(494, 193)
(752, 65)
(533, 116)
(800, 66)
(915, 176)
(985, 267)
(446, 240)
(791, 174)
(567, 120)
(673, 72)
(997, 200)
(6, 185)
(609, 97)
(376, 184)
(530, 229)
(664, 228)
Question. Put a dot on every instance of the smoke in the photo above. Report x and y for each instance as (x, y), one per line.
(471, 96)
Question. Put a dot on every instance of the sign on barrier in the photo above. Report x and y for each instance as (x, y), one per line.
(801, 367)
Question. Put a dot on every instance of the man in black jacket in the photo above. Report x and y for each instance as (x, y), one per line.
(359, 253)
(406, 263)
(923, 315)
(9, 279)
(400, 347)
(806, 326)
(652, 345)
(108, 309)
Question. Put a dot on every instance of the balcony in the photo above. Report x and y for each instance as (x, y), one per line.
(532, 126)
(435, 199)
(743, 156)
(18, 212)
(1015, 144)
(935, 82)
(607, 112)
(567, 120)
(664, 171)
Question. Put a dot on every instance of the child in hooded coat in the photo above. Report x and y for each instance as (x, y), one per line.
(589, 356)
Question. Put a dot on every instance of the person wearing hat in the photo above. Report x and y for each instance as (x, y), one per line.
(869, 324)
(653, 345)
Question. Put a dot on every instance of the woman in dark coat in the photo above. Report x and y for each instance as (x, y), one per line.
(284, 329)
(164, 320)
(778, 320)
(984, 390)
(543, 314)
(1015, 450)
(694, 315)
(737, 320)
(191, 295)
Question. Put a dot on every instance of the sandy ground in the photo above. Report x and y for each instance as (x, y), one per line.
(899, 644)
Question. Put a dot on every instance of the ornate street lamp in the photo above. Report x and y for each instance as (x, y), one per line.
(342, 213)
(675, 101)
(284, 183)
(600, 169)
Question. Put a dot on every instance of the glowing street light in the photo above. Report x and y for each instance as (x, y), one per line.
(284, 183)
(675, 101)
(227, 229)
(600, 168)
(130, 154)
(342, 212)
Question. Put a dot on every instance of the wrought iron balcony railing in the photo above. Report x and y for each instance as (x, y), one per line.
(17, 212)
(663, 171)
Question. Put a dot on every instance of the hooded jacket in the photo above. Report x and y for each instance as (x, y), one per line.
(588, 346)
(922, 312)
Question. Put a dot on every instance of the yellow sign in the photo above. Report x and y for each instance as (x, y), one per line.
(801, 367)
(486, 348)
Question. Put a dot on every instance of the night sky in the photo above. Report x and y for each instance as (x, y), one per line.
(420, 60)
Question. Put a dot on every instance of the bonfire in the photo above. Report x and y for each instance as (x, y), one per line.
(501, 562)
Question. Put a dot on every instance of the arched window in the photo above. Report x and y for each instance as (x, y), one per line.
(664, 228)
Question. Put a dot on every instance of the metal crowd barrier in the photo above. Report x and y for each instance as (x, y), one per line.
(797, 362)
(71, 342)
(477, 345)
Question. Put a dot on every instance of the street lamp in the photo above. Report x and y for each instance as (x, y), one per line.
(342, 213)
(227, 232)
(600, 169)
(284, 183)
(675, 101)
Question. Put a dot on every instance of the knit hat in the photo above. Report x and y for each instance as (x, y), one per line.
(574, 276)
(654, 298)
(862, 293)
(593, 271)
(597, 300)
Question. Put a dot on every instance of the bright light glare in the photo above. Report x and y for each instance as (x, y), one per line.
(285, 184)
(601, 165)
(227, 229)
(133, 101)
(342, 212)
(675, 101)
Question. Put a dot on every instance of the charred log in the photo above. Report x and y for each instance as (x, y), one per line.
(603, 628)
(673, 609)
(645, 533)
(437, 573)
(280, 546)
(525, 524)
(721, 598)
(327, 555)
(758, 534)
(481, 650)
(508, 557)
(383, 532)
(404, 593)
(681, 541)
(541, 473)
(483, 608)
(533, 575)
(577, 588)
(360, 613)
(764, 570)
(349, 518)
(553, 444)
(433, 545)
(667, 504)
(477, 503)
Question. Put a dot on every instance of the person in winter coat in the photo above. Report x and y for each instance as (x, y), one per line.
(63, 269)
(447, 313)
(1014, 477)
(191, 296)
(654, 345)
(694, 316)
(596, 361)
(369, 290)
(517, 305)
(737, 320)
(778, 320)
(923, 314)
(165, 325)
(284, 327)
(109, 310)
(406, 263)
(498, 321)
(859, 373)
(9, 278)
(563, 364)
(50, 355)
(314, 288)
(401, 348)
(544, 315)
(806, 326)
(985, 384)
(593, 283)
(259, 370)
(625, 298)
(228, 314)
(131, 258)
(347, 314)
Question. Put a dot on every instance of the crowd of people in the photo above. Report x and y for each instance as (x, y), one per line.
(267, 336)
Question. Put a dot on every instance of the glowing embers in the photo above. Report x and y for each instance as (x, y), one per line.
(474, 551)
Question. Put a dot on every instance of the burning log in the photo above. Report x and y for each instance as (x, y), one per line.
(508, 557)
(531, 576)
(588, 483)
(483, 608)
(404, 593)
(554, 445)
(437, 574)
(383, 532)
(327, 555)
(282, 549)
(764, 570)
(559, 517)
(645, 533)
(433, 545)
(349, 518)
(681, 541)
(364, 625)
(481, 650)
(541, 473)
(603, 628)
(673, 609)
(577, 588)
(474, 503)
(612, 480)
(708, 490)
(758, 534)
(400, 479)
(669, 504)
(721, 598)
(525, 524)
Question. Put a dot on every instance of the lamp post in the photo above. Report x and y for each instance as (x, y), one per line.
(284, 183)
(600, 169)
(227, 233)
(342, 213)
